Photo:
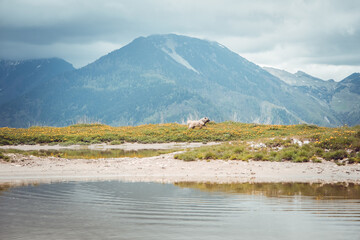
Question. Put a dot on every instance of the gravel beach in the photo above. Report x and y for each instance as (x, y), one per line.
(166, 169)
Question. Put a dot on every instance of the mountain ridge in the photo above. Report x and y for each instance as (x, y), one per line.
(341, 97)
(167, 78)
(20, 76)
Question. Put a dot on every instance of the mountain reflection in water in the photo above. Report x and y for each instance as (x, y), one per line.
(152, 211)
(317, 190)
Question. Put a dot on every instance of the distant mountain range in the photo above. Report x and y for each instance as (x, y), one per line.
(169, 78)
(342, 98)
(20, 77)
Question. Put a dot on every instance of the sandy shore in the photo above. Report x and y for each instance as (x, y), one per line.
(165, 168)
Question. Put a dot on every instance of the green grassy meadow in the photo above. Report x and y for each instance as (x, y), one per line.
(240, 141)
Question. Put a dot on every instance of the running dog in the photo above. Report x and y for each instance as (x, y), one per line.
(199, 123)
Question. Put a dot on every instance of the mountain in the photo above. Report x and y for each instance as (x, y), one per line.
(345, 100)
(20, 77)
(342, 98)
(319, 89)
(166, 78)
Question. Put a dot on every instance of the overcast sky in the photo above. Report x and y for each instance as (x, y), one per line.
(321, 38)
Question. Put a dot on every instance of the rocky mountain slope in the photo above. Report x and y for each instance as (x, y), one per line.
(168, 78)
(20, 77)
(342, 98)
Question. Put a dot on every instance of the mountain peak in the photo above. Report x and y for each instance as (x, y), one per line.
(304, 74)
(172, 36)
(299, 72)
(169, 78)
(352, 78)
(354, 75)
(302, 79)
(57, 65)
(160, 52)
(180, 40)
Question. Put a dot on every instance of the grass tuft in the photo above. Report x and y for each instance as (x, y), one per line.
(339, 145)
(4, 157)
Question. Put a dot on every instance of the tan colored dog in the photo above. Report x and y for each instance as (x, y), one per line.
(200, 123)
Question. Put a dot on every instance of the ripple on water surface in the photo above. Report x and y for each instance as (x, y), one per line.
(119, 210)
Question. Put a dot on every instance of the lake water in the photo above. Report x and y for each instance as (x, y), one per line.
(120, 210)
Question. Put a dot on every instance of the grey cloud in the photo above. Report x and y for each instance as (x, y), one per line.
(121, 17)
(319, 31)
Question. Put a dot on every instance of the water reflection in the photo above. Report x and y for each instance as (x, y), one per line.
(316, 190)
(5, 187)
(8, 186)
(120, 210)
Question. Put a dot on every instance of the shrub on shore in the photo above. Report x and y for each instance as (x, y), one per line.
(343, 147)
(4, 157)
